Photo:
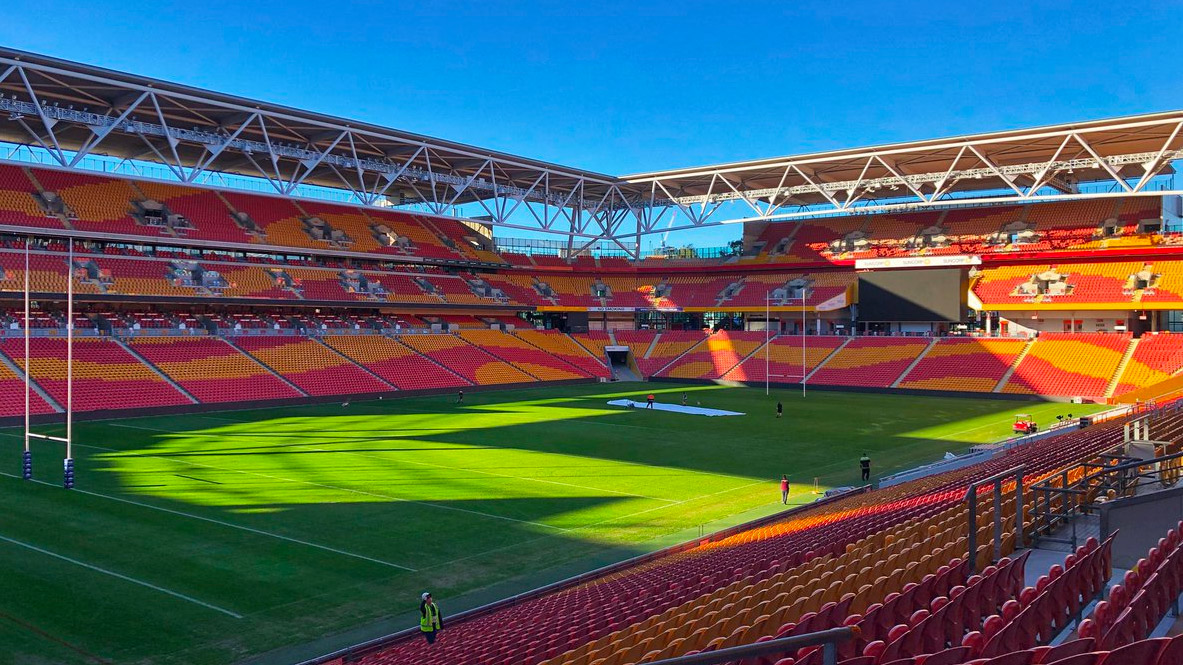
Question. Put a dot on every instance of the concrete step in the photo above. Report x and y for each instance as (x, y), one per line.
(1011, 370)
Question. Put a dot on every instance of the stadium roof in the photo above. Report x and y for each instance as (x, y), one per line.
(1060, 157)
(70, 111)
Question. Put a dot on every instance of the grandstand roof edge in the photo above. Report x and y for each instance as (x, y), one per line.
(934, 143)
(92, 71)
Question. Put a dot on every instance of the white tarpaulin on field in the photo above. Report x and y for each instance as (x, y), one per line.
(692, 410)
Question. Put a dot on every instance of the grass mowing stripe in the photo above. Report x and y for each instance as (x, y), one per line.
(669, 505)
(322, 485)
(487, 473)
(226, 524)
(125, 578)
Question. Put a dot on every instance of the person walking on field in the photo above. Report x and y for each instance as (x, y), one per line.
(780, 409)
(649, 400)
(460, 397)
(865, 463)
(430, 619)
(784, 490)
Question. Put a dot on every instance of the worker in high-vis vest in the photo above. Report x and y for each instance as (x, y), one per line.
(430, 620)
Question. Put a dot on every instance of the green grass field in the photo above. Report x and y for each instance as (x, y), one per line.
(216, 538)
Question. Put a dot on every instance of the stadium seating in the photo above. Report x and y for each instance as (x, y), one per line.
(1146, 593)
(669, 345)
(964, 364)
(463, 358)
(594, 342)
(211, 370)
(18, 206)
(563, 347)
(12, 394)
(99, 203)
(395, 363)
(1069, 364)
(208, 214)
(873, 362)
(638, 341)
(523, 355)
(718, 355)
(106, 376)
(784, 359)
(311, 366)
(1156, 359)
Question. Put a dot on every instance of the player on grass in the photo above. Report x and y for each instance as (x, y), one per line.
(784, 490)
(460, 397)
(780, 409)
(649, 400)
(864, 463)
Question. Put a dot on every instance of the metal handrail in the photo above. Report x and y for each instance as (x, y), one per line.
(829, 640)
(971, 499)
(1121, 478)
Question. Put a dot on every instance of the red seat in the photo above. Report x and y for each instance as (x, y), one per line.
(1091, 658)
(1144, 652)
(1050, 654)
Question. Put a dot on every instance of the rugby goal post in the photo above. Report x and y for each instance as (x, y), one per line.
(768, 344)
(30, 435)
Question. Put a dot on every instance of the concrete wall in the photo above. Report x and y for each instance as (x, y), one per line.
(1142, 520)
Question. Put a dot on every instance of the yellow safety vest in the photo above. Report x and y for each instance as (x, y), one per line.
(430, 619)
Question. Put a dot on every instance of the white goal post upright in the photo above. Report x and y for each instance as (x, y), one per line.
(767, 341)
(27, 455)
(27, 461)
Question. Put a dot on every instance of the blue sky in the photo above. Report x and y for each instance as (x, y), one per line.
(637, 86)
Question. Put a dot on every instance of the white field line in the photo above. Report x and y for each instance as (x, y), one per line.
(232, 525)
(125, 578)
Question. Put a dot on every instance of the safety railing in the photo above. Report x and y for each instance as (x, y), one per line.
(971, 498)
(1075, 490)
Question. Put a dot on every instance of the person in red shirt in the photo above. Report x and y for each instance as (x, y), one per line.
(649, 398)
(784, 490)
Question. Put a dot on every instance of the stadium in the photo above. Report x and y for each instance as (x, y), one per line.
(269, 376)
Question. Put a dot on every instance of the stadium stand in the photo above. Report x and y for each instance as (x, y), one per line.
(964, 364)
(1069, 364)
(523, 355)
(594, 342)
(469, 361)
(718, 355)
(106, 376)
(668, 346)
(872, 362)
(12, 394)
(311, 366)
(784, 361)
(18, 202)
(1156, 359)
(211, 370)
(563, 347)
(396, 363)
(638, 341)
